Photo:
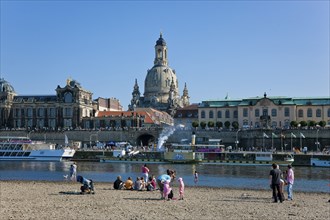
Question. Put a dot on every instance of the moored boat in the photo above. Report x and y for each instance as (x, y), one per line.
(181, 156)
(317, 162)
(23, 148)
(248, 158)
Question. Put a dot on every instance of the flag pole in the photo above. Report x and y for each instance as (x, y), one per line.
(291, 141)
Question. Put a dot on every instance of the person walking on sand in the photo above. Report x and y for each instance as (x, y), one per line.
(73, 171)
(275, 182)
(145, 172)
(195, 178)
(181, 188)
(289, 181)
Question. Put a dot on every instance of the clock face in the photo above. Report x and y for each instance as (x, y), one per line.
(72, 83)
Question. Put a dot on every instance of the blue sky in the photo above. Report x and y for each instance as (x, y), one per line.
(243, 48)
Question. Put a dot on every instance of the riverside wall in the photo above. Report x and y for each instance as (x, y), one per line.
(247, 138)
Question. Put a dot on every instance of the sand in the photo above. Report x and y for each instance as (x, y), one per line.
(52, 200)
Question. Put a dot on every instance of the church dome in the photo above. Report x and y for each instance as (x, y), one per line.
(158, 82)
(5, 86)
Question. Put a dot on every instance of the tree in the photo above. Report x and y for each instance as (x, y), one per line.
(294, 124)
(322, 124)
(195, 124)
(210, 124)
(203, 124)
(312, 123)
(303, 123)
(235, 124)
(219, 124)
(227, 124)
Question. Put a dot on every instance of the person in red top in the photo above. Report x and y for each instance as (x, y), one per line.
(145, 172)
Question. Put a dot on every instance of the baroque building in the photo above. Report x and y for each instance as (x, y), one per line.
(65, 110)
(161, 90)
(265, 112)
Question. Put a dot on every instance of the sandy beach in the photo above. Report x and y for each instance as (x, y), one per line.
(61, 200)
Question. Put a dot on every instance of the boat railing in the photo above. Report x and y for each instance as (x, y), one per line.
(14, 146)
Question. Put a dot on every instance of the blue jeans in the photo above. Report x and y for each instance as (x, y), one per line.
(290, 193)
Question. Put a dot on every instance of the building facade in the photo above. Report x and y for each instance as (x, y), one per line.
(161, 90)
(65, 110)
(265, 112)
(107, 104)
(123, 120)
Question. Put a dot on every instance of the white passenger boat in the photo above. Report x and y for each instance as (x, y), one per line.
(316, 162)
(23, 148)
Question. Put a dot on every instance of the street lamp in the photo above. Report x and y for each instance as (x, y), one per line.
(317, 140)
(236, 142)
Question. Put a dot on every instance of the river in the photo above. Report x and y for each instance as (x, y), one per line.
(307, 179)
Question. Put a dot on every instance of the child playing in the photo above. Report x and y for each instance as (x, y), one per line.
(167, 189)
(196, 177)
(88, 185)
(181, 188)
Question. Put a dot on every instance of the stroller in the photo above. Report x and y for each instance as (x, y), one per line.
(88, 185)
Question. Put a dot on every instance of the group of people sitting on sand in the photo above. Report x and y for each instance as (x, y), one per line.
(140, 184)
(163, 181)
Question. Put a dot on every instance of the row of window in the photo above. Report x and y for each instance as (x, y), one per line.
(257, 113)
(318, 113)
(274, 124)
(40, 123)
(41, 112)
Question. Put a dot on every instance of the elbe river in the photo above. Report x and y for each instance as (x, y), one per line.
(307, 179)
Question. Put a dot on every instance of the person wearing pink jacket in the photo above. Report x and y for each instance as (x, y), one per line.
(290, 180)
(181, 188)
(167, 189)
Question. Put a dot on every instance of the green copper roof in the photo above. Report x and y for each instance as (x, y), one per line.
(277, 100)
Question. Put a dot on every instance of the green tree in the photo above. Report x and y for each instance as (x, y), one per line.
(195, 124)
(312, 123)
(303, 123)
(235, 124)
(227, 124)
(294, 124)
(203, 124)
(219, 124)
(322, 124)
(210, 124)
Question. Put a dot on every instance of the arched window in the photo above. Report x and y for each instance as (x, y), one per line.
(211, 114)
(220, 113)
(235, 114)
(257, 113)
(29, 112)
(300, 113)
(203, 114)
(227, 114)
(318, 113)
(286, 112)
(309, 113)
(68, 97)
(274, 112)
(274, 124)
(328, 112)
(245, 112)
(40, 112)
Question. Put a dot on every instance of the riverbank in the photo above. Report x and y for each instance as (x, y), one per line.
(61, 200)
